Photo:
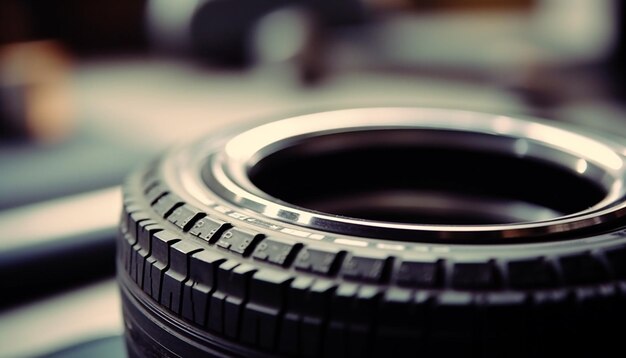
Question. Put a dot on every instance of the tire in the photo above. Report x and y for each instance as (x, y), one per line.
(272, 240)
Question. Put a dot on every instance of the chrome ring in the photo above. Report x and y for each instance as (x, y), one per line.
(224, 163)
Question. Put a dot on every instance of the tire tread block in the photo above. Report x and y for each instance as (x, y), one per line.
(161, 242)
(166, 204)
(420, 274)
(177, 274)
(321, 261)
(185, 217)
(209, 229)
(239, 241)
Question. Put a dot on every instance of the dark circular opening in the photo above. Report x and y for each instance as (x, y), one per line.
(423, 177)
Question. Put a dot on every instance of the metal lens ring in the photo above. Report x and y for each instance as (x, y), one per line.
(415, 174)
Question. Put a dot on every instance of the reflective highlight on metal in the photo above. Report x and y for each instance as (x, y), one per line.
(223, 163)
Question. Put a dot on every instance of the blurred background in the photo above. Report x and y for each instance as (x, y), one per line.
(90, 90)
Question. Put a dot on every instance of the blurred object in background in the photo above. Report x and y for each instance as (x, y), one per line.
(35, 99)
(168, 24)
(84, 27)
(47, 147)
(548, 51)
(618, 56)
(69, 238)
(134, 61)
(553, 58)
(512, 43)
(245, 33)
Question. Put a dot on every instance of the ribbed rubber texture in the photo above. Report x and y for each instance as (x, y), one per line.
(207, 281)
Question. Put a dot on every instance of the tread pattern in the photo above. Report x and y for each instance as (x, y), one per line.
(281, 295)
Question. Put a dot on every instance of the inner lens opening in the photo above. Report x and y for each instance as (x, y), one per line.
(423, 176)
